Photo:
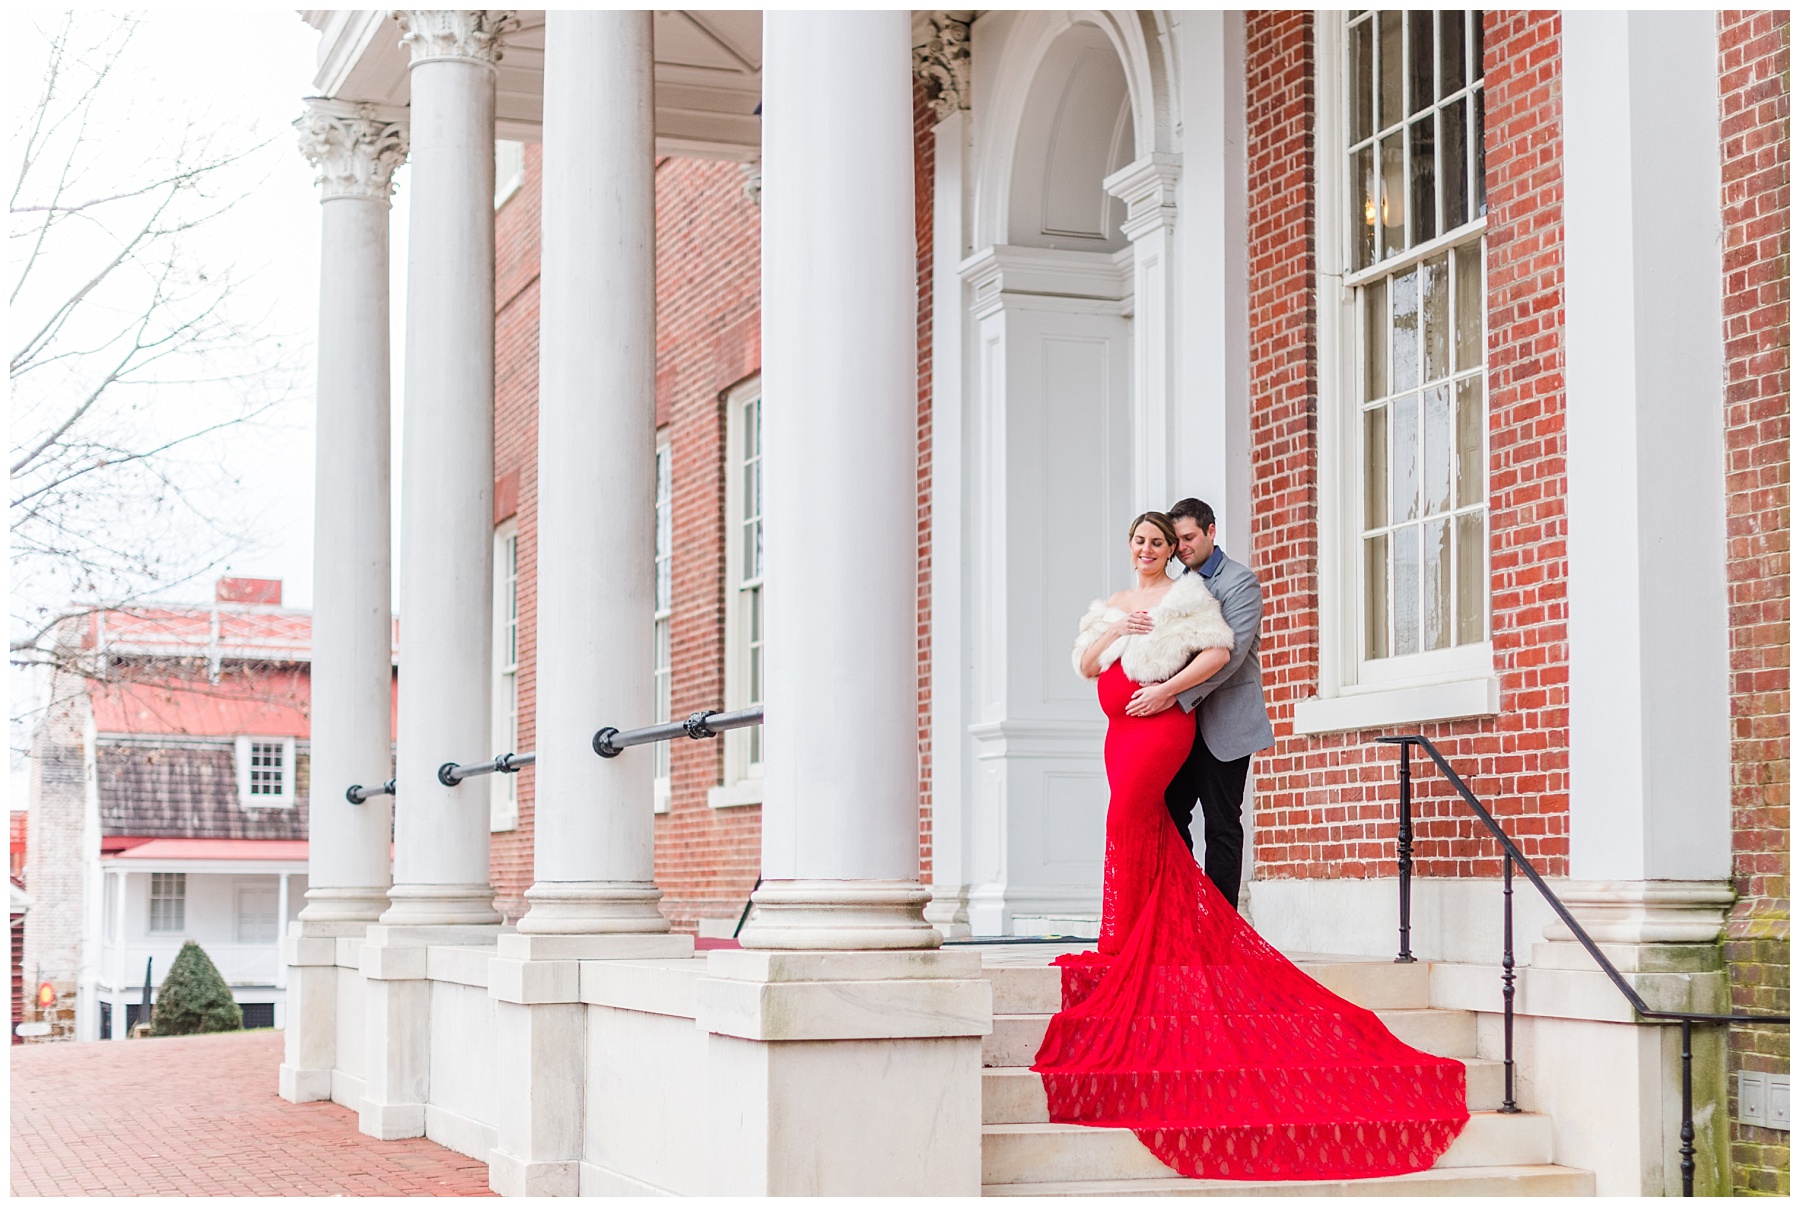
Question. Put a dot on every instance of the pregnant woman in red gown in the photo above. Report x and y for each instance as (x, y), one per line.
(1186, 1026)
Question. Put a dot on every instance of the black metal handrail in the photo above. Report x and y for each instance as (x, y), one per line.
(1512, 855)
(356, 794)
(452, 774)
(610, 743)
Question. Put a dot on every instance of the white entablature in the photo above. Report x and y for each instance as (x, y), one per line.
(708, 74)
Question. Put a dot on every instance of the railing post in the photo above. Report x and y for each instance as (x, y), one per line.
(1510, 1105)
(1687, 1108)
(1405, 855)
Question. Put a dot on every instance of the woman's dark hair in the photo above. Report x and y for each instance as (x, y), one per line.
(1192, 509)
(1163, 524)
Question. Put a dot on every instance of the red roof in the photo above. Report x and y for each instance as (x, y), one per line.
(271, 849)
(266, 703)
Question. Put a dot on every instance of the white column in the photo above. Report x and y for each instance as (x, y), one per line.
(446, 504)
(356, 149)
(941, 60)
(1648, 664)
(840, 818)
(594, 895)
(594, 858)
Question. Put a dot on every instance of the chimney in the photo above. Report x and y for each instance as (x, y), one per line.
(248, 591)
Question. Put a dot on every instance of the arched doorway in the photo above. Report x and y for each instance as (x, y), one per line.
(1050, 471)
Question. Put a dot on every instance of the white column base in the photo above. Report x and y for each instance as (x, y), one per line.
(1647, 911)
(844, 1072)
(840, 915)
(440, 905)
(593, 908)
(344, 904)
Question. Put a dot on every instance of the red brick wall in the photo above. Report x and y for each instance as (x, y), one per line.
(708, 339)
(924, 165)
(1753, 133)
(1325, 805)
(516, 247)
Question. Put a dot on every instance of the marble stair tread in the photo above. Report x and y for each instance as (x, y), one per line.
(1016, 1094)
(1497, 1181)
(1016, 1038)
(1035, 1153)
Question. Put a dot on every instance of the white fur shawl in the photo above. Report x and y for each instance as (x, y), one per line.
(1187, 620)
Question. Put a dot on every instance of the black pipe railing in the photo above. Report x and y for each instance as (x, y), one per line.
(356, 794)
(452, 774)
(610, 743)
(1511, 856)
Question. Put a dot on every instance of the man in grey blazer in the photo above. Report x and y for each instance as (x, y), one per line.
(1232, 720)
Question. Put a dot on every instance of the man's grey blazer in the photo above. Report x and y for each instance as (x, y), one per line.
(1234, 717)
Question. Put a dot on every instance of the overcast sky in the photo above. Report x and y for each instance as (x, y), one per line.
(252, 67)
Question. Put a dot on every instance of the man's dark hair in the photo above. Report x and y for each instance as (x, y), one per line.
(1195, 510)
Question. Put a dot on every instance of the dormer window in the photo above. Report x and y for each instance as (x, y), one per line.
(265, 772)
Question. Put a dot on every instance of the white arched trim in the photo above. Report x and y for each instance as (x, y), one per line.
(1139, 41)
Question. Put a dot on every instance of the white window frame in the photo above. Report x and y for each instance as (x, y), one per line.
(1354, 692)
(282, 800)
(743, 779)
(503, 790)
(662, 669)
(177, 880)
(509, 169)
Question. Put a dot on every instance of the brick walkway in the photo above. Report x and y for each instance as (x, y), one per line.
(200, 1116)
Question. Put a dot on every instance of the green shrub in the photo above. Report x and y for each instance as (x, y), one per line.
(194, 998)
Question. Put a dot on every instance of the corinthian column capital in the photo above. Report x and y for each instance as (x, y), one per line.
(473, 34)
(356, 148)
(941, 61)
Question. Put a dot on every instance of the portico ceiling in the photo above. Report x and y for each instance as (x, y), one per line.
(708, 74)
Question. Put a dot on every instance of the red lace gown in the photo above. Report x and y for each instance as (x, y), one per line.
(1190, 1029)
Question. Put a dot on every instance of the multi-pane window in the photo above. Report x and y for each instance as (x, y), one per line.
(745, 595)
(503, 799)
(1414, 149)
(168, 902)
(750, 582)
(662, 669)
(268, 768)
(265, 771)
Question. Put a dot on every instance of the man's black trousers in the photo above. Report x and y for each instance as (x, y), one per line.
(1218, 786)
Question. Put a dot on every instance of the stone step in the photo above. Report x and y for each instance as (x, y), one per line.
(1037, 1153)
(1016, 1095)
(1016, 1038)
(1535, 1181)
(1022, 989)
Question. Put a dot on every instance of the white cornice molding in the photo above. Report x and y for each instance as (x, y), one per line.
(355, 147)
(941, 60)
(471, 34)
(1147, 188)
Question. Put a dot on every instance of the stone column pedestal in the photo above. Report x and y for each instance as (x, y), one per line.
(844, 1072)
(541, 1038)
(1663, 936)
(310, 1038)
